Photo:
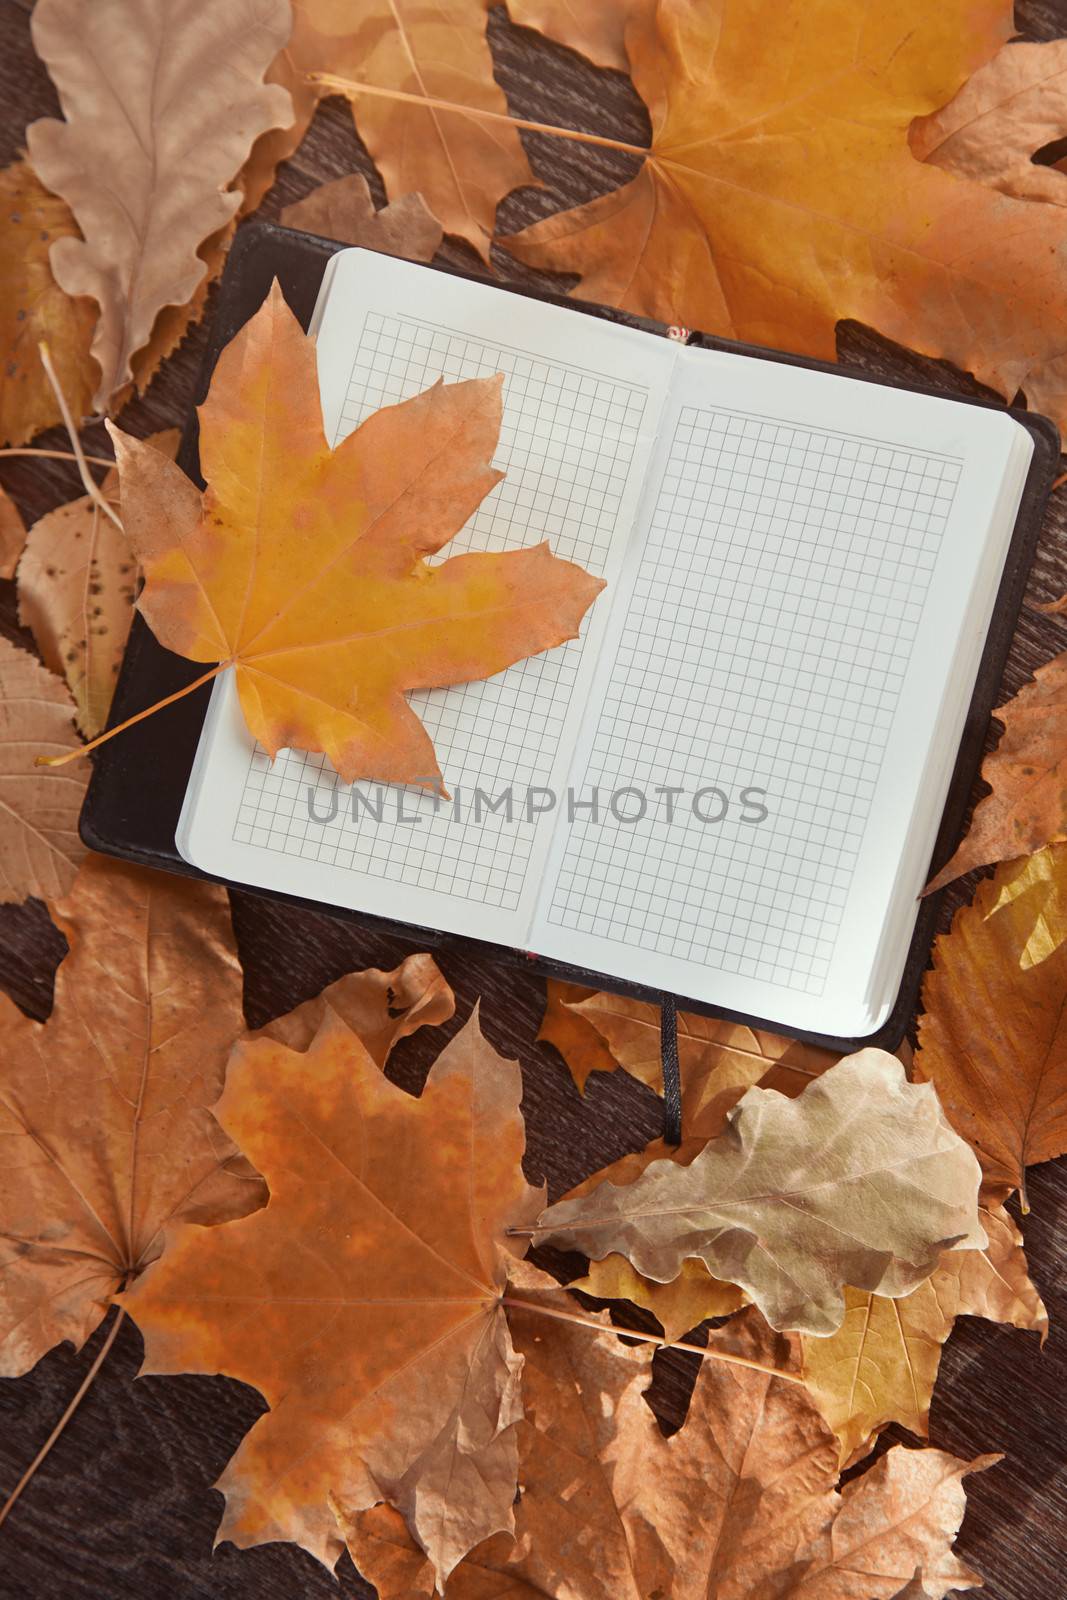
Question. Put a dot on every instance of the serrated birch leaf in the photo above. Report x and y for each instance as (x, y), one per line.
(76, 584)
(39, 806)
(882, 1363)
(33, 307)
(860, 1180)
(407, 1388)
(993, 1034)
(104, 1117)
(304, 567)
(148, 188)
(345, 210)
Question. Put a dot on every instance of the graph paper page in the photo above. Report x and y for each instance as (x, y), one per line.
(582, 402)
(796, 644)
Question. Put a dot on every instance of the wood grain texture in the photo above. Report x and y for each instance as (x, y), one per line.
(123, 1508)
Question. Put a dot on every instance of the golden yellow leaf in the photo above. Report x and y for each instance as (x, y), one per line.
(678, 1306)
(104, 1113)
(775, 203)
(365, 1301)
(858, 1181)
(304, 567)
(993, 1036)
(39, 806)
(158, 122)
(344, 210)
(76, 584)
(1027, 773)
(1002, 116)
(881, 1364)
(33, 307)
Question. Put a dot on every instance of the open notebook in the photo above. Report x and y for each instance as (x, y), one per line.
(730, 785)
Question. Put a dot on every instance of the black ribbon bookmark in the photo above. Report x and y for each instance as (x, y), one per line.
(672, 1078)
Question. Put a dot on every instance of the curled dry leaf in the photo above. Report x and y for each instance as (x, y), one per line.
(39, 806)
(740, 1503)
(104, 1108)
(773, 205)
(1027, 773)
(33, 307)
(12, 536)
(408, 1388)
(328, 630)
(993, 1034)
(345, 210)
(161, 104)
(76, 584)
(859, 1181)
(1006, 111)
(462, 165)
(381, 1007)
(881, 1365)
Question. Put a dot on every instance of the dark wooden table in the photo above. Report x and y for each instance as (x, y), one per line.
(123, 1508)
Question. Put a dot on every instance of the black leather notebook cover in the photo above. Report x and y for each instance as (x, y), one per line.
(139, 779)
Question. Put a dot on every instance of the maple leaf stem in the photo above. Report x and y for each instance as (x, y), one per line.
(651, 1338)
(120, 727)
(82, 1391)
(68, 422)
(350, 86)
(61, 455)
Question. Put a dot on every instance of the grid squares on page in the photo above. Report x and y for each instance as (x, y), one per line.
(566, 445)
(773, 618)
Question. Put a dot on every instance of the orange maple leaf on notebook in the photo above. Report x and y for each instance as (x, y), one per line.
(304, 567)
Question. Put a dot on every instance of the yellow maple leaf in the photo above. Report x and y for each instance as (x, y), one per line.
(304, 567)
(775, 203)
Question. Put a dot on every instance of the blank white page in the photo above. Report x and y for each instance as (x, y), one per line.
(582, 401)
(805, 620)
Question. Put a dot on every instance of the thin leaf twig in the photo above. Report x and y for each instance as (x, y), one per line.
(82, 1391)
(68, 422)
(120, 727)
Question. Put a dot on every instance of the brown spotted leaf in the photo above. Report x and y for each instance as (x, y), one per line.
(39, 806)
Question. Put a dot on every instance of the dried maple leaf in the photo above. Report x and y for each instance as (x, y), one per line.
(103, 1108)
(582, 1048)
(381, 1007)
(461, 164)
(304, 566)
(33, 307)
(364, 1302)
(39, 806)
(1027, 773)
(859, 1181)
(12, 536)
(881, 1364)
(718, 1060)
(344, 210)
(595, 28)
(993, 1037)
(152, 136)
(774, 204)
(1007, 111)
(76, 583)
(740, 1503)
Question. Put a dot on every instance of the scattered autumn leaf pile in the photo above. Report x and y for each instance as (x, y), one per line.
(271, 1206)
